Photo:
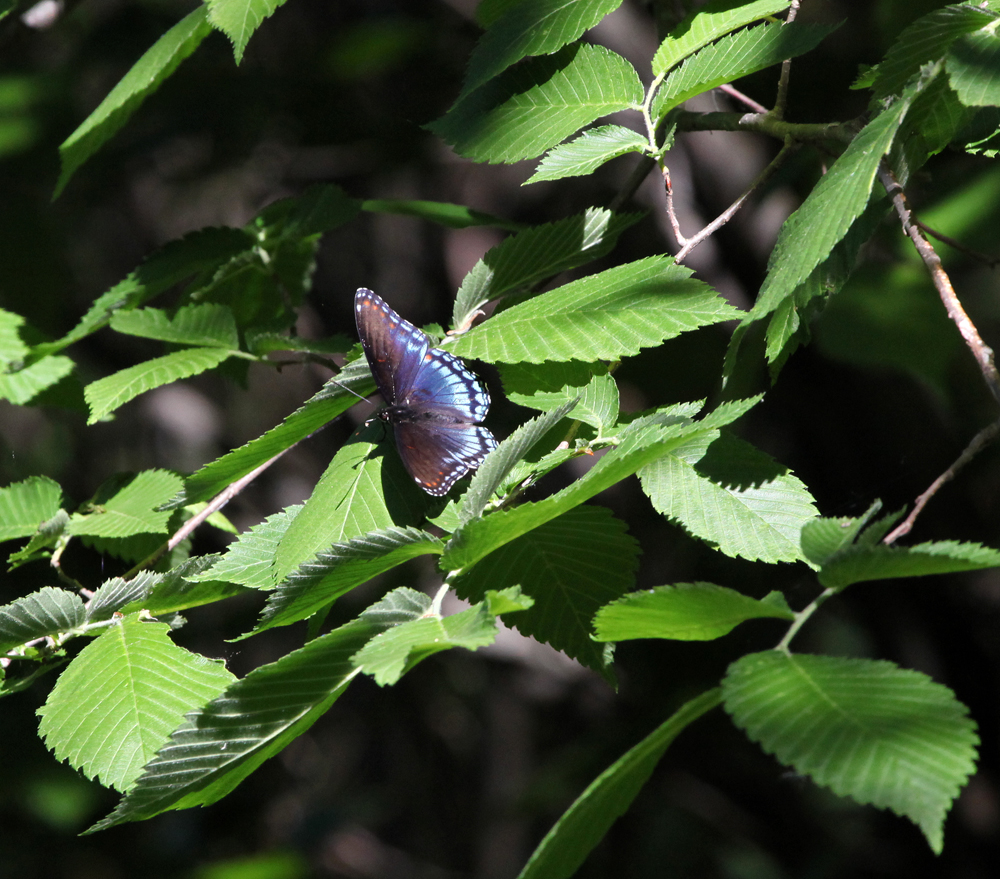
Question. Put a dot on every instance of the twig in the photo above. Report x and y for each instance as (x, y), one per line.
(639, 173)
(982, 439)
(689, 244)
(742, 98)
(991, 261)
(829, 136)
(786, 69)
(213, 506)
(980, 350)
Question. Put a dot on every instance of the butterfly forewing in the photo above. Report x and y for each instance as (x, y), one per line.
(434, 401)
(394, 347)
(444, 382)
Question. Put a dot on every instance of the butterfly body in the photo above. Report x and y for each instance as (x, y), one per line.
(434, 403)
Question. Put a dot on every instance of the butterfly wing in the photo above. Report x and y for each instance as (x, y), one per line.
(434, 401)
(443, 383)
(437, 454)
(394, 347)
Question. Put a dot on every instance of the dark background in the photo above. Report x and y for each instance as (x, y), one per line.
(461, 768)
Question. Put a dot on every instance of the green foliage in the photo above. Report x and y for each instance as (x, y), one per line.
(138, 685)
(569, 841)
(24, 505)
(869, 730)
(703, 26)
(533, 107)
(732, 57)
(148, 74)
(172, 730)
(685, 612)
(606, 316)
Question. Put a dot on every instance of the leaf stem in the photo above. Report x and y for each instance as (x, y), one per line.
(801, 617)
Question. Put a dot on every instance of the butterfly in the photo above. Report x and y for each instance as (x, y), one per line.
(434, 403)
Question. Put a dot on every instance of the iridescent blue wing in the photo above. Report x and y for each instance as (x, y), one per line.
(443, 383)
(437, 454)
(394, 347)
(434, 401)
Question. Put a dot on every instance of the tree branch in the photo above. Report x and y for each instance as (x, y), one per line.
(979, 442)
(980, 350)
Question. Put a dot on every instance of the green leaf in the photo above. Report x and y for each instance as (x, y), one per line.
(49, 611)
(503, 460)
(12, 348)
(238, 19)
(395, 651)
(733, 57)
(823, 538)
(480, 537)
(927, 39)
(334, 398)
(707, 23)
(26, 505)
(724, 491)
(116, 593)
(120, 698)
(255, 718)
(334, 571)
(973, 66)
(859, 563)
(539, 103)
(641, 442)
(107, 394)
(868, 730)
(571, 566)
(23, 384)
(145, 77)
(507, 600)
(585, 823)
(809, 234)
(249, 559)
(604, 317)
(181, 589)
(46, 536)
(364, 489)
(537, 254)
(200, 252)
(538, 27)
(586, 153)
(684, 612)
(207, 324)
(452, 216)
(544, 385)
(789, 325)
(132, 509)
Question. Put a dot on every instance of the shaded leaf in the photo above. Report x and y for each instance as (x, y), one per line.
(684, 612)
(869, 730)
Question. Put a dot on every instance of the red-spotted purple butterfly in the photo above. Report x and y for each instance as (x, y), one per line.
(434, 403)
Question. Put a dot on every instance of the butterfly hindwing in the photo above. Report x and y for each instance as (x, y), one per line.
(436, 456)
(435, 402)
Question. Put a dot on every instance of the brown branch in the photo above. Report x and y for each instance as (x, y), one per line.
(982, 439)
(991, 261)
(830, 136)
(786, 69)
(980, 350)
(213, 506)
(689, 244)
(737, 95)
